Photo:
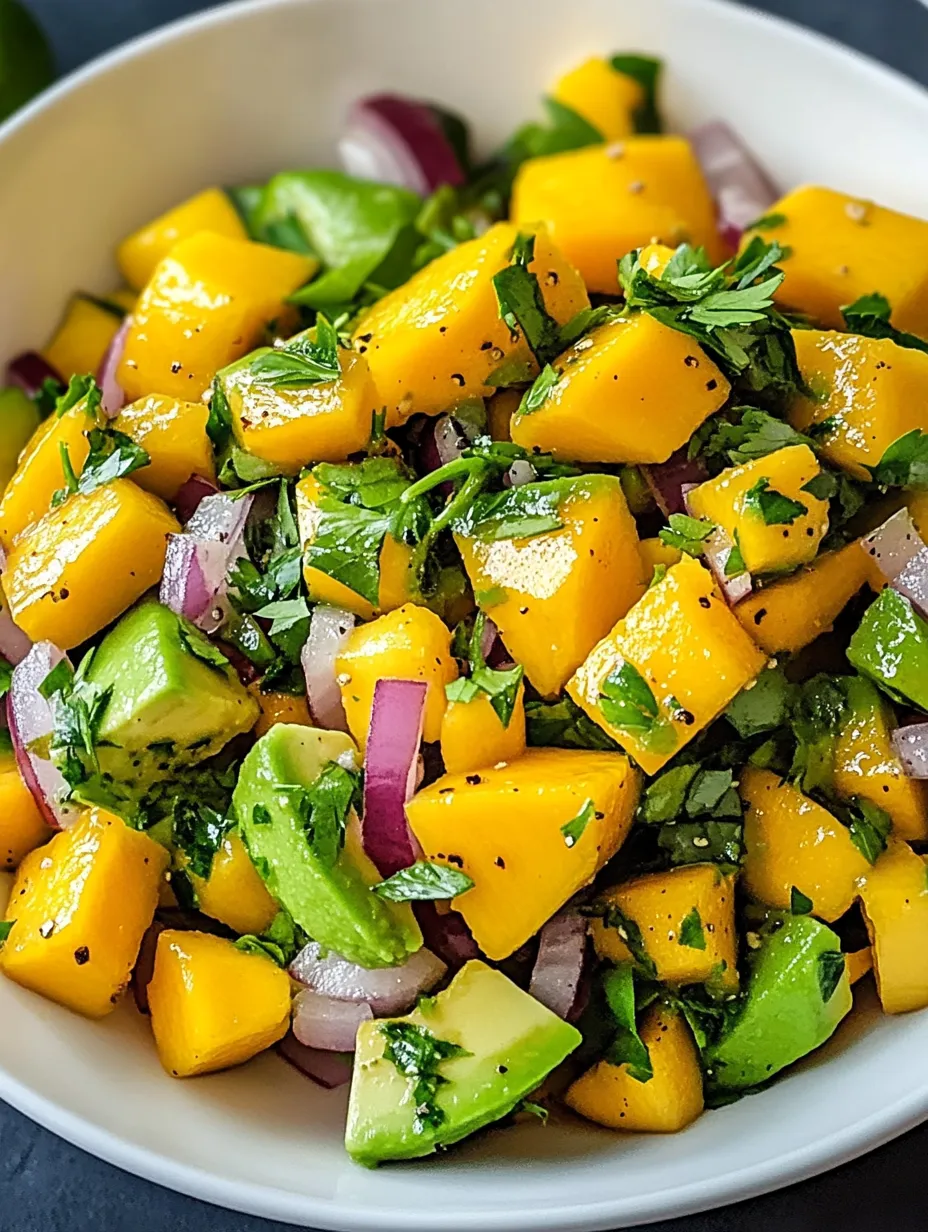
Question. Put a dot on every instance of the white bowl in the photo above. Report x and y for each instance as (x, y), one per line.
(232, 96)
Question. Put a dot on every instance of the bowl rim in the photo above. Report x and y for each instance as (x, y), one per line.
(274, 1203)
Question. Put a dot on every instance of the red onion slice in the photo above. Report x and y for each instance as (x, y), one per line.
(195, 579)
(396, 140)
(911, 745)
(893, 544)
(326, 1069)
(387, 990)
(327, 1023)
(718, 548)
(145, 965)
(668, 480)
(329, 628)
(521, 472)
(114, 396)
(14, 643)
(390, 766)
(446, 934)
(558, 970)
(30, 371)
(221, 517)
(190, 494)
(450, 441)
(31, 719)
(912, 581)
(742, 189)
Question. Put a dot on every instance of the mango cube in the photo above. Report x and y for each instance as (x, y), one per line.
(211, 210)
(234, 892)
(529, 834)
(668, 668)
(606, 405)
(22, 826)
(83, 337)
(473, 735)
(279, 708)
(173, 434)
(894, 898)
(604, 97)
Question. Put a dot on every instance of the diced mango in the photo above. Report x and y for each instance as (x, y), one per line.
(602, 201)
(839, 248)
(742, 501)
(604, 97)
(437, 340)
(917, 504)
(173, 434)
(866, 764)
(529, 834)
(500, 409)
(212, 1005)
(682, 642)
(552, 596)
(207, 304)
(667, 1103)
(607, 406)
(410, 643)
(870, 391)
(83, 338)
(656, 552)
(473, 735)
(894, 898)
(790, 841)
(858, 963)
(791, 613)
(234, 893)
(279, 708)
(82, 564)
(81, 906)
(22, 826)
(211, 210)
(39, 475)
(123, 298)
(686, 917)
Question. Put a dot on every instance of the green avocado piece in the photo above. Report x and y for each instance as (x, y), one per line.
(891, 647)
(333, 903)
(510, 1042)
(174, 701)
(19, 418)
(797, 994)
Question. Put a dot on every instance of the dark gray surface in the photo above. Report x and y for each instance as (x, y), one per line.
(48, 1186)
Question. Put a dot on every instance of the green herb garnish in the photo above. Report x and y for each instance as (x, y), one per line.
(418, 1055)
(424, 882)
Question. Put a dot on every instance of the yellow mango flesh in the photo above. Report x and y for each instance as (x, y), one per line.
(554, 595)
(173, 434)
(500, 409)
(604, 97)
(840, 248)
(211, 210)
(917, 504)
(410, 643)
(213, 1006)
(206, 305)
(894, 898)
(436, 340)
(725, 501)
(82, 564)
(655, 552)
(791, 613)
(234, 892)
(607, 406)
(81, 906)
(792, 841)
(858, 963)
(659, 903)
(279, 708)
(82, 339)
(22, 826)
(503, 827)
(291, 427)
(671, 1100)
(394, 589)
(866, 764)
(869, 389)
(473, 736)
(602, 201)
(689, 648)
(38, 474)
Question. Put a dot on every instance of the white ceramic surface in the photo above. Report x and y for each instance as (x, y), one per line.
(232, 96)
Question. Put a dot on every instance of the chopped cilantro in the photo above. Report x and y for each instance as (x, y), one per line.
(566, 130)
(627, 1047)
(904, 463)
(289, 624)
(536, 396)
(573, 830)
(281, 942)
(869, 826)
(563, 725)
(817, 713)
(734, 561)
(665, 796)
(870, 316)
(522, 305)
(199, 645)
(646, 70)
(627, 700)
(774, 508)
(418, 1054)
(301, 361)
(535, 1110)
(324, 809)
(763, 705)
(692, 933)
(695, 842)
(79, 388)
(799, 903)
(78, 708)
(113, 455)
(687, 534)
(219, 420)
(517, 513)
(198, 832)
(424, 882)
(629, 932)
(830, 971)
(261, 815)
(707, 791)
(6, 927)
(767, 222)
(6, 676)
(755, 435)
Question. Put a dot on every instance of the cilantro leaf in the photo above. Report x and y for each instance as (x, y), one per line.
(693, 842)
(78, 708)
(627, 1047)
(347, 545)
(199, 830)
(6, 676)
(799, 903)
(687, 534)
(521, 303)
(517, 513)
(830, 970)
(763, 705)
(424, 882)
(774, 508)
(113, 455)
(692, 933)
(290, 624)
(573, 830)
(79, 388)
(535, 397)
(734, 561)
(324, 809)
(869, 316)
(755, 435)
(767, 222)
(418, 1054)
(869, 826)
(566, 130)
(281, 942)
(199, 645)
(646, 70)
(304, 360)
(628, 701)
(628, 930)
(818, 711)
(563, 725)
(904, 463)
(665, 796)
(6, 927)
(707, 791)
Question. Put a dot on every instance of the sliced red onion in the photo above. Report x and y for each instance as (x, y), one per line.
(328, 1023)
(742, 189)
(189, 495)
(30, 371)
(145, 965)
(559, 966)
(326, 1069)
(911, 744)
(390, 766)
(221, 517)
(396, 140)
(718, 548)
(450, 441)
(31, 719)
(912, 581)
(521, 472)
(489, 639)
(667, 480)
(195, 579)
(14, 643)
(114, 396)
(387, 990)
(329, 628)
(893, 544)
(446, 934)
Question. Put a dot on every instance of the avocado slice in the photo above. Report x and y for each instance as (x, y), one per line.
(891, 647)
(505, 1043)
(332, 902)
(798, 992)
(174, 700)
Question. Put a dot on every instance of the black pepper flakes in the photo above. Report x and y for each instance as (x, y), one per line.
(82, 955)
(704, 601)
(473, 779)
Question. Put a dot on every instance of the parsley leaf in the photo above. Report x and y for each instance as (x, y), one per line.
(627, 1047)
(904, 464)
(774, 508)
(692, 933)
(418, 1055)
(573, 830)
(870, 315)
(563, 725)
(521, 303)
(830, 970)
(424, 882)
(687, 534)
(799, 903)
(304, 360)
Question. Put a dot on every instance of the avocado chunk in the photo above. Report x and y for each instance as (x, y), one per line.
(891, 647)
(173, 700)
(458, 1062)
(798, 992)
(19, 418)
(290, 773)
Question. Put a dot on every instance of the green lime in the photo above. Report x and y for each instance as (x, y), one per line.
(26, 62)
